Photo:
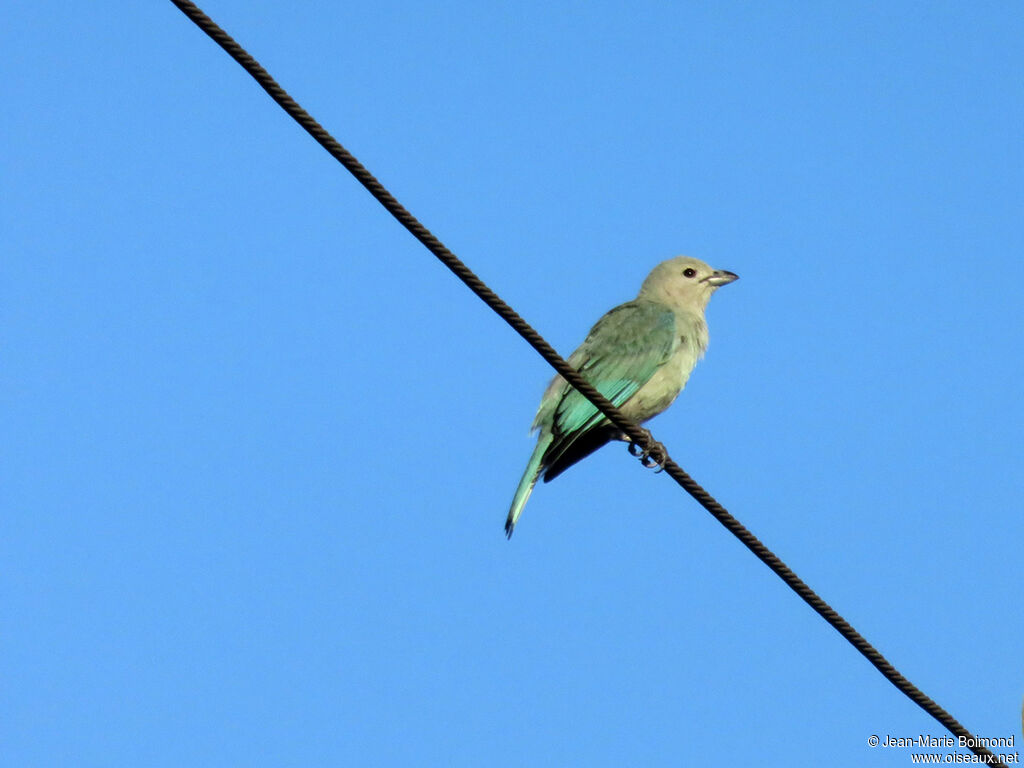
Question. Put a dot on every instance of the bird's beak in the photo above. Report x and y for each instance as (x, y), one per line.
(721, 277)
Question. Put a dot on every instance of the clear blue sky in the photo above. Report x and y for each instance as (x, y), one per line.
(258, 446)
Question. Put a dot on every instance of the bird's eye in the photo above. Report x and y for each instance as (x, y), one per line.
(689, 272)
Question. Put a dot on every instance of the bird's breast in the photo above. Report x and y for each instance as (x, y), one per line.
(668, 381)
(664, 386)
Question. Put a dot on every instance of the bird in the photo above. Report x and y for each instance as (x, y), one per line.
(639, 355)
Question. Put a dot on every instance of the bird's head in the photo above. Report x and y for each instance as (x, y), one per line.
(684, 283)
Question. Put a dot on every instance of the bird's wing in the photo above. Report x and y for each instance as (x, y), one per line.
(620, 355)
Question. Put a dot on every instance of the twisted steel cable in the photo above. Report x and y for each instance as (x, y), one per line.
(640, 436)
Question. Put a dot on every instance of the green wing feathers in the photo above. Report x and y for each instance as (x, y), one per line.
(620, 354)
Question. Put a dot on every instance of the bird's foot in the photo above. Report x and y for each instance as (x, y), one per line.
(655, 455)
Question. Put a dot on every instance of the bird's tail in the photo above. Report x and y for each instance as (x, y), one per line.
(526, 484)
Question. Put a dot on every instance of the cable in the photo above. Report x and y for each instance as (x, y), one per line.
(636, 433)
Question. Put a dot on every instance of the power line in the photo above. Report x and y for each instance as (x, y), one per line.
(639, 435)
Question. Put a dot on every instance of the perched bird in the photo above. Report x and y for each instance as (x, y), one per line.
(639, 356)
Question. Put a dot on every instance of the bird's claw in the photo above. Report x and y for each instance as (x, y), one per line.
(655, 455)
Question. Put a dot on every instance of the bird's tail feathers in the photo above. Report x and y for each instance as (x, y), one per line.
(526, 483)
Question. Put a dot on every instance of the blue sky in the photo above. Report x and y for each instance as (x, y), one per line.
(259, 446)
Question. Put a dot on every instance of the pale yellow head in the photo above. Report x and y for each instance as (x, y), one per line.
(684, 283)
